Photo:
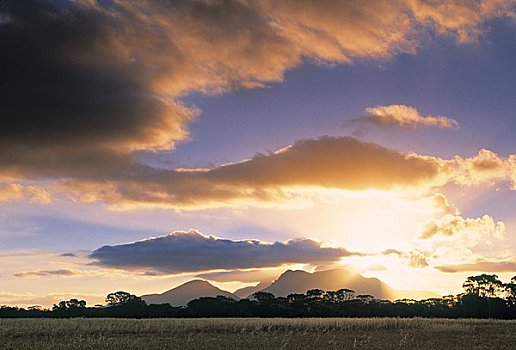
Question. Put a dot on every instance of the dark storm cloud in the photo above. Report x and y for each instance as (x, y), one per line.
(192, 251)
(87, 84)
(72, 100)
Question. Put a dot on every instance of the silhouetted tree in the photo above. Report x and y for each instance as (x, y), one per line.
(315, 294)
(120, 297)
(69, 304)
(510, 289)
(345, 294)
(296, 298)
(484, 286)
(365, 298)
(263, 297)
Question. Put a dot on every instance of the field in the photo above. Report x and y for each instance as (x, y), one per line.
(308, 333)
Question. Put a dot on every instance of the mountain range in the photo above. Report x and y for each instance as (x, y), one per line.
(290, 281)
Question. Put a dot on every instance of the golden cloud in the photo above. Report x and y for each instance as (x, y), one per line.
(14, 191)
(485, 167)
(443, 204)
(457, 17)
(417, 259)
(341, 163)
(450, 243)
(406, 116)
(471, 228)
(328, 162)
(65, 272)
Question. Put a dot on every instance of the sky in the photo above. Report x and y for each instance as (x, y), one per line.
(143, 144)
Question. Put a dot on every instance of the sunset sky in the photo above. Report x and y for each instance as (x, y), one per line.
(144, 143)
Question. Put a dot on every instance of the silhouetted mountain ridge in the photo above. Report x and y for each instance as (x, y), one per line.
(299, 281)
(291, 281)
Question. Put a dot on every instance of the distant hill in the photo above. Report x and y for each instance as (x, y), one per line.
(300, 281)
(248, 291)
(181, 295)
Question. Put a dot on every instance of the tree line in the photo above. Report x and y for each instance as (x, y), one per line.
(484, 296)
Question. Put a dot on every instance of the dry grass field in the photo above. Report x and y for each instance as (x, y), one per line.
(313, 333)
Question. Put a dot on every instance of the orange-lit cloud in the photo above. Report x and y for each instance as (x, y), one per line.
(512, 164)
(63, 272)
(443, 204)
(14, 191)
(451, 244)
(326, 163)
(112, 86)
(417, 259)
(486, 167)
(118, 80)
(473, 229)
(405, 116)
(457, 17)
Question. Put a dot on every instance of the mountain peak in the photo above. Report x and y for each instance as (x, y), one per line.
(199, 283)
(300, 281)
(181, 295)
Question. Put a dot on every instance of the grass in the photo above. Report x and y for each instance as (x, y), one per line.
(277, 333)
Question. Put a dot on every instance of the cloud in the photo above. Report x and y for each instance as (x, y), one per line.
(443, 204)
(392, 252)
(77, 99)
(339, 31)
(327, 162)
(268, 179)
(512, 164)
(481, 266)
(83, 103)
(15, 191)
(451, 225)
(44, 273)
(405, 116)
(485, 167)
(459, 18)
(417, 259)
(451, 242)
(191, 251)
